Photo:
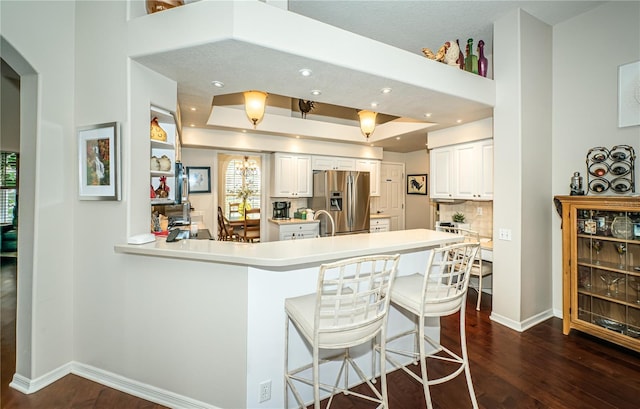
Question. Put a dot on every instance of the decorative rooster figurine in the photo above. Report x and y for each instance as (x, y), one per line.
(162, 190)
(305, 107)
(453, 53)
(440, 55)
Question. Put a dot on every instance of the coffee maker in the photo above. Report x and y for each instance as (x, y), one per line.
(281, 210)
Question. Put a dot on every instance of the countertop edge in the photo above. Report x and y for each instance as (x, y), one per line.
(291, 253)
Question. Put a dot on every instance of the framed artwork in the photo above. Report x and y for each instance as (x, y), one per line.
(629, 94)
(417, 184)
(99, 161)
(199, 179)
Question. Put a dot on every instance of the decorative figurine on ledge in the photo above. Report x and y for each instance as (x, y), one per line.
(163, 190)
(305, 107)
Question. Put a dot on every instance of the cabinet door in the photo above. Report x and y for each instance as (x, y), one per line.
(303, 177)
(284, 181)
(373, 167)
(465, 172)
(345, 164)
(441, 168)
(322, 163)
(332, 163)
(485, 174)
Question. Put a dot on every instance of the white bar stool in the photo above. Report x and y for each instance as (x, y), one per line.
(440, 292)
(349, 308)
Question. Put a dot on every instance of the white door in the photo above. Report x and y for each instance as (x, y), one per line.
(391, 200)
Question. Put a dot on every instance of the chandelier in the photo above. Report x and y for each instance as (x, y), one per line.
(247, 168)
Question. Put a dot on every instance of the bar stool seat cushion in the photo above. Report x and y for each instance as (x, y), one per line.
(302, 311)
(407, 293)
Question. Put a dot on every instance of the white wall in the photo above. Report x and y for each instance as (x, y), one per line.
(418, 210)
(45, 269)
(522, 166)
(585, 112)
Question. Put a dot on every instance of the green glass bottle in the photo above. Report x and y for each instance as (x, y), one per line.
(471, 60)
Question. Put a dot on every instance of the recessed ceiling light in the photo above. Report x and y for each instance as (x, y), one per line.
(427, 115)
(192, 125)
(385, 90)
(459, 121)
(193, 108)
(244, 131)
(297, 136)
(305, 72)
(217, 84)
(374, 105)
(397, 138)
(372, 145)
(316, 92)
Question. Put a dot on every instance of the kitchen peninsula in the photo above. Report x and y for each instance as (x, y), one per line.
(237, 290)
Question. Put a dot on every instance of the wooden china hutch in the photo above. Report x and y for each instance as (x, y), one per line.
(601, 267)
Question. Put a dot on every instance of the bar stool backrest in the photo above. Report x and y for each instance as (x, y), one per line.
(352, 301)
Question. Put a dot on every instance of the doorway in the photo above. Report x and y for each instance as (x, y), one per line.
(19, 113)
(391, 200)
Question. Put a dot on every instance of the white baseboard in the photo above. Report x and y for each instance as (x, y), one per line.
(112, 380)
(27, 386)
(522, 326)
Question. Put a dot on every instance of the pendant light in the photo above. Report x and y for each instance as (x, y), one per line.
(254, 105)
(367, 122)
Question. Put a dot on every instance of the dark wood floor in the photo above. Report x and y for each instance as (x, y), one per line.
(540, 368)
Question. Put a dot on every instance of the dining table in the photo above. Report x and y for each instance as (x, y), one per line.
(238, 221)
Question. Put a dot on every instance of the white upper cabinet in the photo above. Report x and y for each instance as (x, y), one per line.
(333, 163)
(463, 171)
(373, 167)
(441, 170)
(292, 175)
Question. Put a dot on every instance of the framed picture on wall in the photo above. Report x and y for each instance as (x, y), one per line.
(629, 94)
(98, 160)
(199, 179)
(417, 184)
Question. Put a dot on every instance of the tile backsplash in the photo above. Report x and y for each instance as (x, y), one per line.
(482, 223)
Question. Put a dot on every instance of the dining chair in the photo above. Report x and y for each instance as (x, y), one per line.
(225, 232)
(349, 308)
(251, 227)
(480, 267)
(234, 210)
(439, 292)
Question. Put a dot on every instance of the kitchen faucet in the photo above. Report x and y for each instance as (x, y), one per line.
(333, 225)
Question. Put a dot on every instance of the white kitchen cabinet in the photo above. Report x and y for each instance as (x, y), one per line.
(378, 225)
(332, 163)
(292, 175)
(462, 171)
(295, 231)
(441, 168)
(373, 167)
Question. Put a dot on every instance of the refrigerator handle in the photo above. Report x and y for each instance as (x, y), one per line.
(350, 201)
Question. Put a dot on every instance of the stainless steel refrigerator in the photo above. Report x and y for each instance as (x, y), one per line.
(345, 195)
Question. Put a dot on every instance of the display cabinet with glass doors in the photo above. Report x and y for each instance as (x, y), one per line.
(601, 267)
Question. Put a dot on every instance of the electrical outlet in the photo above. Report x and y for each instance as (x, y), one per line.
(504, 234)
(479, 211)
(265, 391)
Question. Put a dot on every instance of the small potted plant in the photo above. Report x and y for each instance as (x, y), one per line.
(459, 219)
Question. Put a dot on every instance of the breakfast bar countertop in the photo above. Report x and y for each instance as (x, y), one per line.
(285, 254)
